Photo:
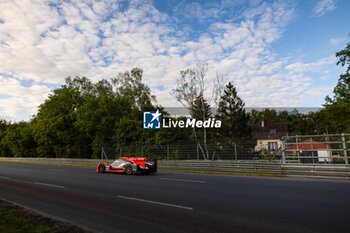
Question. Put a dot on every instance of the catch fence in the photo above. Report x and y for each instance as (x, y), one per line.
(316, 149)
(186, 150)
(304, 149)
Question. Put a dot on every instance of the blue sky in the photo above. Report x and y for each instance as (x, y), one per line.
(277, 53)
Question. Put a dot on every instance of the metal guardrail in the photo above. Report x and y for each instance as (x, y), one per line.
(317, 170)
(339, 171)
(53, 161)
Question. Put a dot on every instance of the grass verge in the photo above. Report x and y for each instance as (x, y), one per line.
(16, 219)
(53, 164)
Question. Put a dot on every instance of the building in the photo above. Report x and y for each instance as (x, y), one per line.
(268, 136)
(314, 150)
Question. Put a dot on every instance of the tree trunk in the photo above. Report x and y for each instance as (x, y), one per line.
(200, 146)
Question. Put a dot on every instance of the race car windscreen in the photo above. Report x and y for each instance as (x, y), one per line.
(119, 162)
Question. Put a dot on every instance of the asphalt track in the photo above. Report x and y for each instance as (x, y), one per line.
(178, 202)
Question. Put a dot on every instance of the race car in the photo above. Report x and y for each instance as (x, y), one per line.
(128, 165)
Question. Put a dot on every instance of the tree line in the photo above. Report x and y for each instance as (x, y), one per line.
(80, 116)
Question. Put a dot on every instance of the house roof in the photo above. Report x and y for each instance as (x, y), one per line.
(309, 144)
(269, 130)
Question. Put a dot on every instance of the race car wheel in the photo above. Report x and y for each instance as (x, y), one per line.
(101, 168)
(128, 170)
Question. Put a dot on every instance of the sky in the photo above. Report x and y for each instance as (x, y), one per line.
(277, 53)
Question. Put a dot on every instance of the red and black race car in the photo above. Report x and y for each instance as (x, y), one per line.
(128, 165)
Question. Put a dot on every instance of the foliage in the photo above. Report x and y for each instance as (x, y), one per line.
(18, 141)
(267, 115)
(80, 116)
(129, 85)
(53, 126)
(191, 84)
(190, 92)
(4, 125)
(344, 57)
(200, 109)
(298, 123)
(338, 107)
(232, 114)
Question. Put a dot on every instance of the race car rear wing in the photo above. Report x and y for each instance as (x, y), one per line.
(155, 165)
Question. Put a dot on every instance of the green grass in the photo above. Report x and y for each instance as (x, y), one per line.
(11, 223)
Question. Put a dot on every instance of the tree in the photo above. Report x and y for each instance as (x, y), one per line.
(338, 107)
(298, 123)
(232, 114)
(98, 113)
(191, 84)
(129, 85)
(18, 141)
(128, 130)
(80, 116)
(53, 126)
(3, 126)
(191, 92)
(201, 110)
(344, 57)
(267, 115)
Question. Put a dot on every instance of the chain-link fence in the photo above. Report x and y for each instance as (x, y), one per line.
(305, 149)
(186, 150)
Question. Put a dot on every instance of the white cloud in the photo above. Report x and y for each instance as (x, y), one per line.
(319, 92)
(324, 77)
(19, 99)
(300, 67)
(323, 6)
(337, 40)
(46, 43)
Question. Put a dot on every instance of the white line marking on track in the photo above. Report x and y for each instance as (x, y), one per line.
(192, 181)
(57, 170)
(155, 202)
(50, 185)
(5, 177)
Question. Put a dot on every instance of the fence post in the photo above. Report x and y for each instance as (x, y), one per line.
(121, 151)
(283, 150)
(297, 151)
(102, 154)
(312, 151)
(167, 151)
(142, 150)
(329, 153)
(345, 150)
(197, 151)
(235, 151)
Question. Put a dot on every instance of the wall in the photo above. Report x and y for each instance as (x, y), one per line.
(263, 143)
